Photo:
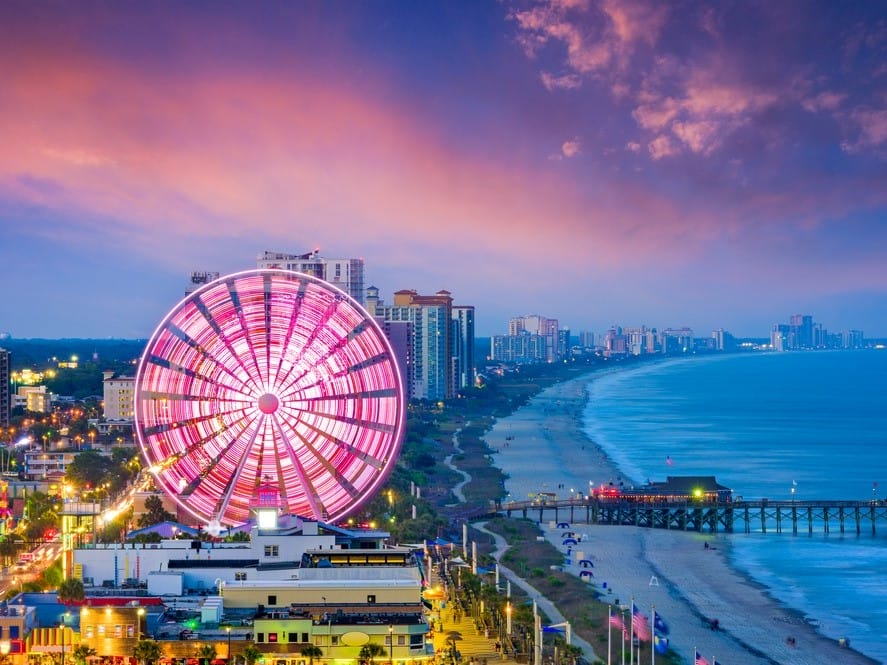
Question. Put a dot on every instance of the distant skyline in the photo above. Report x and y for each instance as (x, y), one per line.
(599, 162)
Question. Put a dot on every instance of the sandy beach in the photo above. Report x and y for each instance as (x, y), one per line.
(543, 448)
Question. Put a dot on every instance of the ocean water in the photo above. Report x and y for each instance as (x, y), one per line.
(807, 425)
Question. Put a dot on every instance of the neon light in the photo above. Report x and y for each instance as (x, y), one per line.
(269, 377)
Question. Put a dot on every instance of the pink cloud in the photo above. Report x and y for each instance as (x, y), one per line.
(570, 148)
(700, 137)
(636, 21)
(824, 101)
(662, 146)
(224, 154)
(871, 125)
(565, 82)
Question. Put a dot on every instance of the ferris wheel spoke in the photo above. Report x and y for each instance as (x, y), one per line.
(320, 459)
(310, 493)
(287, 342)
(309, 342)
(180, 334)
(352, 450)
(237, 475)
(325, 358)
(222, 337)
(234, 294)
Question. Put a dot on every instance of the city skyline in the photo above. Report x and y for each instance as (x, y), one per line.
(630, 163)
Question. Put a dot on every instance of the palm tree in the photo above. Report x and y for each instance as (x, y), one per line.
(207, 653)
(251, 654)
(369, 651)
(312, 651)
(81, 653)
(71, 589)
(146, 651)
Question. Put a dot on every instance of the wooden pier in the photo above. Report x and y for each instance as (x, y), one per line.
(762, 516)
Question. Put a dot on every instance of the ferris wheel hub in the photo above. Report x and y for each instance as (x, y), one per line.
(268, 403)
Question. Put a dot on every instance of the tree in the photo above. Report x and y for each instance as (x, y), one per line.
(206, 653)
(88, 469)
(251, 654)
(312, 651)
(154, 513)
(369, 651)
(81, 653)
(71, 590)
(146, 651)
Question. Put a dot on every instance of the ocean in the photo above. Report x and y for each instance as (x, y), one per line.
(805, 425)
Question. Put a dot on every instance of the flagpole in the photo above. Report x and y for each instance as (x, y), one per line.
(609, 631)
(631, 634)
(653, 636)
(622, 616)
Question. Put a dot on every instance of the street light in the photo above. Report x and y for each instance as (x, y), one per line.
(228, 630)
(390, 644)
(141, 613)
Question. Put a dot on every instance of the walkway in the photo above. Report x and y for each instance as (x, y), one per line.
(541, 601)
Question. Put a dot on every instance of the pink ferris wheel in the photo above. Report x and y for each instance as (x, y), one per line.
(269, 377)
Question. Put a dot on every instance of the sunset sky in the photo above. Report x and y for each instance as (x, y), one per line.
(600, 162)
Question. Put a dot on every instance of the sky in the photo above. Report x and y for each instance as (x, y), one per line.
(602, 162)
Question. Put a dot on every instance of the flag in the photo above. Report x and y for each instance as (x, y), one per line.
(616, 622)
(700, 660)
(659, 624)
(660, 644)
(640, 625)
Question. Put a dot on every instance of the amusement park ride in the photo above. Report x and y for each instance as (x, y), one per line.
(268, 378)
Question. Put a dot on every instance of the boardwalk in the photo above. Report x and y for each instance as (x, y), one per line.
(762, 516)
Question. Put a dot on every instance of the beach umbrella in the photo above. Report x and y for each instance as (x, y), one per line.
(569, 541)
(586, 573)
(586, 563)
(452, 635)
(563, 525)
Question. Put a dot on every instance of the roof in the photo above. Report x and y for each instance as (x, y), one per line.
(166, 529)
(686, 484)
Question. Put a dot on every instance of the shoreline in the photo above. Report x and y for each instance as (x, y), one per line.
(692, 583)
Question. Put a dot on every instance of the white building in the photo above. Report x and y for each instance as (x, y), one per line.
(347, 274)
(119, 397)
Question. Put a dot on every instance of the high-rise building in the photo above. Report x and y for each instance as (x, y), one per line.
(533, 324)
(347, 274)
(439, 350)
(198, 279)
(463, 345)
(5, 377)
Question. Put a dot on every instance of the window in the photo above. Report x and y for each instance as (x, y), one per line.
(239, 577)
(293, 637)
(14, 632)
(305, 637)
(260, 637)
(272, 600)
(272, 550)
(272, 637)
(335, 640)
(371, 600)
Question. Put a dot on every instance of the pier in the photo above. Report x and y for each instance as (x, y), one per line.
(760, 516)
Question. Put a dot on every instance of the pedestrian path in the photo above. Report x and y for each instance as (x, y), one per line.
(474, 646)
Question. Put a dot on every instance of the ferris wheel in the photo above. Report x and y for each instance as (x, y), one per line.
(269, 378)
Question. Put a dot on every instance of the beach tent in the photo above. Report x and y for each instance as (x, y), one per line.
(585, 573)
(563, 525)
(585, 563)
(569, 541)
